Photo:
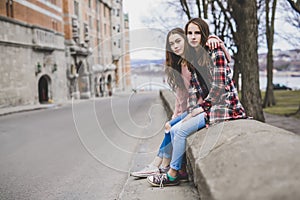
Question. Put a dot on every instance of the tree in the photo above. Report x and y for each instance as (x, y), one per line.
(244, 13)
(295, 22)
(295, 5)
(224, 28)
(241, 14)
(292, 17)
(269, 99)
(201, 8)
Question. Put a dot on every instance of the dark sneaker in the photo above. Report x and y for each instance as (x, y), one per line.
(161, 180)
(183, 176)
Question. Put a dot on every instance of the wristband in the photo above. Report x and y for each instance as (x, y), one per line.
(206, 105)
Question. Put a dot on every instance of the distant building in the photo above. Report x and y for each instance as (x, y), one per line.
(120, 45)
(282, 60)
(294, 66)
(94, 32)
(53, 50)
(127, 64)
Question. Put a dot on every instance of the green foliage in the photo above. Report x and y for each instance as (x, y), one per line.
(287, 103)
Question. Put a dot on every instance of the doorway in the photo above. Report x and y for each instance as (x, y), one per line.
(44, 84)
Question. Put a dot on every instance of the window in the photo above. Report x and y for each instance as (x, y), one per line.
(76, 8)
(90, 3)
(99, 50)
(75, 29)
(90, 22)
(9, 8)
(97, 6)
(98, 26)
(54, 25)
(86, 32)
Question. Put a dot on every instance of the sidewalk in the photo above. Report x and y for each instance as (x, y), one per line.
(287, 123)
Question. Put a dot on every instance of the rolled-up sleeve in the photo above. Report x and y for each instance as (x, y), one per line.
(219, 71)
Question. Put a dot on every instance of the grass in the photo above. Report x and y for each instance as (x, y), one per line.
(287, 103)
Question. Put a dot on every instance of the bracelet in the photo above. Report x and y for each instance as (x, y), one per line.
(206, 105)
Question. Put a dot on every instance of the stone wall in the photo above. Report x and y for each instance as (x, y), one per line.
(22, 48)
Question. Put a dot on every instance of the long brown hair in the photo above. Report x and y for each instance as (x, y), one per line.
(173, 61)
(202, 61)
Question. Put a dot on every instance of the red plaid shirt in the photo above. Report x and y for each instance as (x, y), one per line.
(223, 94)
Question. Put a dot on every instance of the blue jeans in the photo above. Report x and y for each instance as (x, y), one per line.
(179, 133)
(165, 149)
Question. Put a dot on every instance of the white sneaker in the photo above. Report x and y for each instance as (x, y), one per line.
(147, 171)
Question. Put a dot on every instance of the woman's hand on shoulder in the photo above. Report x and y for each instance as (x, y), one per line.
(213, 42)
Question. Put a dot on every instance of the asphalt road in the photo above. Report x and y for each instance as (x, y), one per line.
(79, 151)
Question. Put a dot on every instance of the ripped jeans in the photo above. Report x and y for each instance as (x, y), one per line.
(165, 149)
(179, 132)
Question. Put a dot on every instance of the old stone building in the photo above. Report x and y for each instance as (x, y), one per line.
(32, 52)
(94, 32)
(120, 48)
(54, 50)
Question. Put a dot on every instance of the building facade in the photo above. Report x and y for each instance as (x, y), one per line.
(32, 52)
(120, 45)
(126, 55)
(54, 50)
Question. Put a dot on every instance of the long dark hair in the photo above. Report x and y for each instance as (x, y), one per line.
(173, 61)
(201, 60)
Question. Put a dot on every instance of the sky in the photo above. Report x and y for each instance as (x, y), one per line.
(143, 9)
(145, 42)
(136, 9)
(139, 9)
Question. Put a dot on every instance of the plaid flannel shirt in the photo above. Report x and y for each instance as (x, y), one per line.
(223, 95)
(195, 92)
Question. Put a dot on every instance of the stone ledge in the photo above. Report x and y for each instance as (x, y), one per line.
(243, 159)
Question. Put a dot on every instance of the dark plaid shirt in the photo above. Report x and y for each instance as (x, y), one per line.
(223, 94)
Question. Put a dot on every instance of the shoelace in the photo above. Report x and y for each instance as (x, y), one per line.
(161, 178)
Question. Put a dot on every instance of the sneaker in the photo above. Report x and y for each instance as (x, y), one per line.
(147, 171)
(164, 170)
(183, 176)
(161, 180)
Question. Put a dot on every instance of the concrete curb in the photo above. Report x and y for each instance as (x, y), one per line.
(19, 109)
(243, 159)
(25, 108)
